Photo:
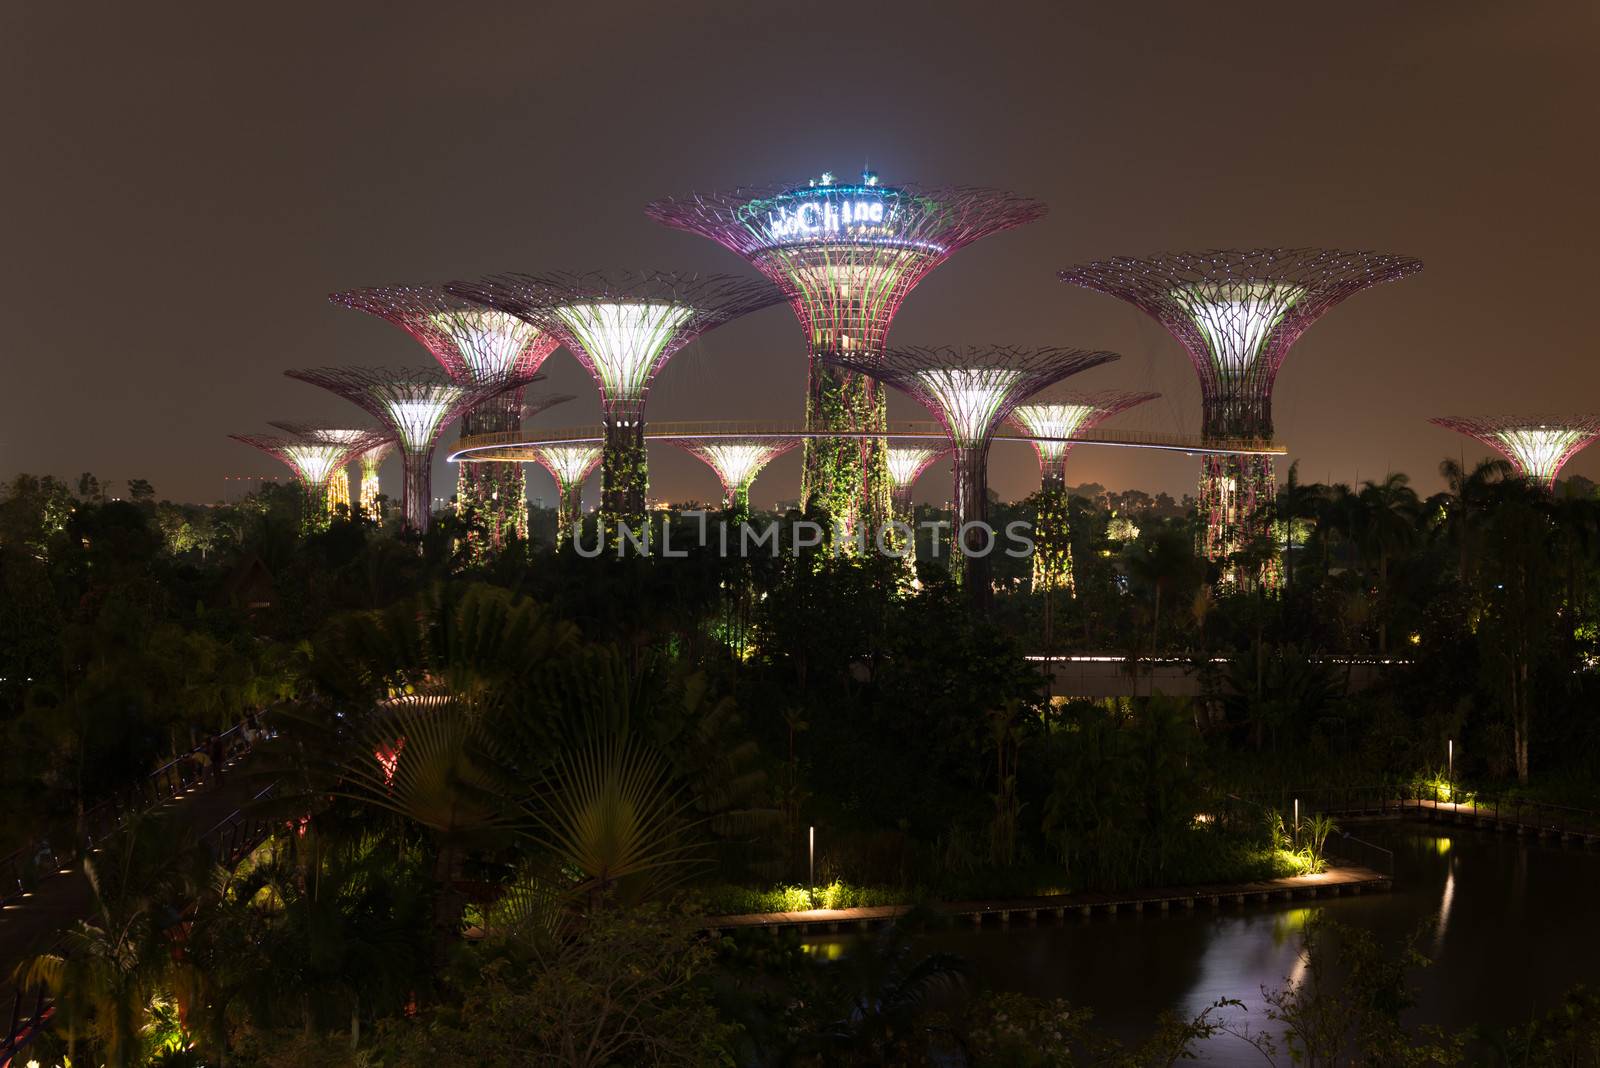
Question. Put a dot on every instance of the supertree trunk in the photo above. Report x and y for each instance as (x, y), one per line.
(417, 502)
(845, 476)
(1236, 497)
(569, 512)
(624, 473)
(971, 543)
(1052, 541)
(313, 507)
(492, 496)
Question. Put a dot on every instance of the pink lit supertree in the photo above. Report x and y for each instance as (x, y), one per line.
(623, 326)
(737, 461)
(846, 256)
(971, 391)
(1538, 446)
(476, 346)
(313, 457)
(339, 480)
(1237, 314)
(570, 463)
(414, 405)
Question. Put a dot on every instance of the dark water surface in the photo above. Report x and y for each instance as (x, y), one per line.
(1510, 923)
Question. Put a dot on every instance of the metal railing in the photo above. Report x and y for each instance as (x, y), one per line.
(516, 445)
(1433, 800)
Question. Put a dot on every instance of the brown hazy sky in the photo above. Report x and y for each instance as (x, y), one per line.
(183, 184)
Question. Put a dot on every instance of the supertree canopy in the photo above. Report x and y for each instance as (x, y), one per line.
(1054, 420)
(905, 459)
(737, 462)
(970, 391)
(475, 346)
(415, 405)
(370, 461)
(623, 327)
(1537, 446)
(1237, 314)
(313, 458)
(846, 256)
(570, 464)
(339, 480)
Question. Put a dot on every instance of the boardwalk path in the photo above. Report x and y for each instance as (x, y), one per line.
(1334, 881)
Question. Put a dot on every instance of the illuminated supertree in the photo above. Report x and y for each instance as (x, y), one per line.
(1052, 422)
(339, 480)
(623, 327)
(570, 464)
(846, 256)
(737, 462)
(905, 459)
(370, 462)
(475, 346)
(415, 405)
(313, 458)
(1538, 446)
(1237, 314)
(971, 391)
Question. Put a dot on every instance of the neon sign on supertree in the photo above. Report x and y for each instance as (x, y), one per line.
(1237, 314)
(415, 405)
(313, 457)
(1538, 446)
(846, 256)
(475, 346)
(623, 326)
(971, 391)
(1053, 421)
(570, 464)
(737, 461)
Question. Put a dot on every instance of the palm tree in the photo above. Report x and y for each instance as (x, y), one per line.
(1459, 511)
(1296, 503)
(1390, 512)
(1163, 560)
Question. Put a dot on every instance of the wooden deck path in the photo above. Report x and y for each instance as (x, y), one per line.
(1336, 880)
(1542, 821)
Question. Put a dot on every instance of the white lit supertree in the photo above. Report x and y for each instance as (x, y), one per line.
(905, 460)
(737, 461)
(476, 346)
(1237, 314)
(370, 462)
(339, 480)
(846, 255)
(623, 326)
(971, 391)
(313, 458)
(570, 464)
(414, 405)
(1537, 446)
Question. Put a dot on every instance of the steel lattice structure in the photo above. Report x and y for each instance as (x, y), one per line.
(1237, 314)
(905, 459)
(570, 465)
(415, 405)
(846, 256)
(475, 346)
(370, 461)
(623, 327)
(971, 391)
(339, 481)
(1538, 446)
(313, 457)
(1053, 421)
(737, 462)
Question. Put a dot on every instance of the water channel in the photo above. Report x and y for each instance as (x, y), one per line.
(1509, 922)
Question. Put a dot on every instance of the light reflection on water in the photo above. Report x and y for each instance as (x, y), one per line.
(1508, 922)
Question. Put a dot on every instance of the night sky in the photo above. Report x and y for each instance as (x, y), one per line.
(183, 184)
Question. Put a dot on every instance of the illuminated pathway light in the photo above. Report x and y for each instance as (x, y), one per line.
(845, 256)
(1538, 446)
(475, 346)
(1237, 314)
(970, 391)
(570, 466)
(313, 459)
(623, 327)
(737, 462)
(415, 405)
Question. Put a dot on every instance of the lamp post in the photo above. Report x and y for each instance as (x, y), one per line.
(1450, 767)
(811, 862)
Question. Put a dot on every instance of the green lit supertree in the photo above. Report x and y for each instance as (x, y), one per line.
(475, 346)
(570, 463)
(623, 326)
(906, 459)
(737, 461)
(333, 433)
(1538, 446)
(1052, 422)
(971, 391)
(846, 255)
(313, 457)
(370, 462)
(1237, 314)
